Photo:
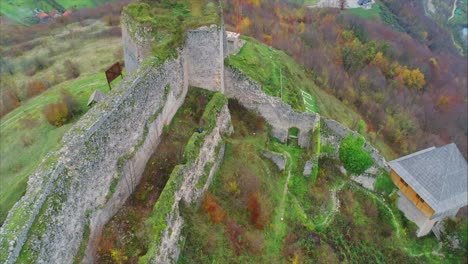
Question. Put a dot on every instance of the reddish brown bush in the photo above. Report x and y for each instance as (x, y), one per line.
(255, 242)
(214, 210)
(71, 103)
(8, 101)
(255, 209)
(72, 70)
(26, 141)
(235, 233)
(35, 87)
(56, 113)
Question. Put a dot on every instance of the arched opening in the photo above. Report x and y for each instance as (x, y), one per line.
(293, 133)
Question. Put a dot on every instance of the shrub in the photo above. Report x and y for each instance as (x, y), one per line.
(354, 158)
(35, 87)
(57, 114)
(214, 210)
(8, 101)
(71, 103)
(255, 209)
(72, 70)
(26, 141)
(235, 233)
(384, 184)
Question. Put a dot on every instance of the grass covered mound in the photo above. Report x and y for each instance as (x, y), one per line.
(355, 159)
(169, 20)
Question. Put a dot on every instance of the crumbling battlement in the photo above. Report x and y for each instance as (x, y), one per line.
(277, 113)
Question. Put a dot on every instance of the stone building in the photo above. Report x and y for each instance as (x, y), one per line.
(432, 184)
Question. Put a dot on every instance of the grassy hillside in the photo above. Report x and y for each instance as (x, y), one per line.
(21, 10)
(25, 134)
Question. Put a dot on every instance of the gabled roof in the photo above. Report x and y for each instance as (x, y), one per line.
(438, 175)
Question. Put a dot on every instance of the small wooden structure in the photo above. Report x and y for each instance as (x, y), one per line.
(96, 97)
(433, 185)
(113, 72)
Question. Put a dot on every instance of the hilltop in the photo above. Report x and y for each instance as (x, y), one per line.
(215, 147)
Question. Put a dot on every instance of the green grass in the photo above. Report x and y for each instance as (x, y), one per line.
(384, 184)
(21, 10)
(19, 161)
(371, 13)
(309, 102)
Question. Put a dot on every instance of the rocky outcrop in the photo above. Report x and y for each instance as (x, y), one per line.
(308, 168)
(277, 113)
(277, 158)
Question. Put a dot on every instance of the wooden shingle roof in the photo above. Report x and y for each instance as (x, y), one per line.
(438, 175)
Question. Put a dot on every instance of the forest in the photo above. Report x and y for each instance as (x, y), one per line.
(409, 87)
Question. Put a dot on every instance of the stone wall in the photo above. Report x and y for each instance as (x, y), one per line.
(205, 57)
(278, 114)
(192, 188)
(135, 42)
(72, 189)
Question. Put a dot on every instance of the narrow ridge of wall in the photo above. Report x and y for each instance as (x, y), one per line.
(72, 187)
(187, 182)
(277, 113)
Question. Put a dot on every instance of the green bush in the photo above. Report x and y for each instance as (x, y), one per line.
(384, 184)
(354, 158)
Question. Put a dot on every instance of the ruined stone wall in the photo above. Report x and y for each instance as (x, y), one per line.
(195, 178)
(135, 42)
(277, 113)
(84, 183)
(205, 57)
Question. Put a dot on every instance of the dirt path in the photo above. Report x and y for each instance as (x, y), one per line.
(453, 10)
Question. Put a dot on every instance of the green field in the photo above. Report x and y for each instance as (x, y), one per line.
(372, 13)
(26, 136)
(21, 10)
